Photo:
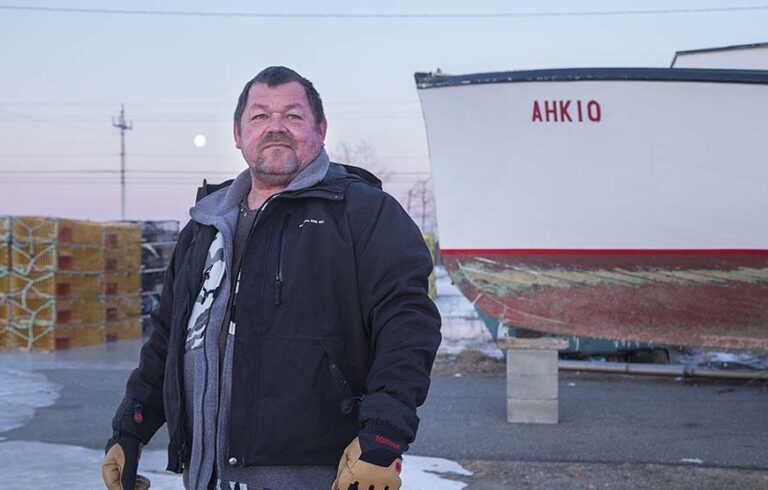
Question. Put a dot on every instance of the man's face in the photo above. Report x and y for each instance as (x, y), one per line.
(277, 133)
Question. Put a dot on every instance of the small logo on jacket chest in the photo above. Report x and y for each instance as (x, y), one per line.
(312, 222)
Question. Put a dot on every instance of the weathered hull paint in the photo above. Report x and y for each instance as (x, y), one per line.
(697, 297)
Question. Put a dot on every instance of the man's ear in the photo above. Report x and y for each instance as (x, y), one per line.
(323, 128)
(236, 132)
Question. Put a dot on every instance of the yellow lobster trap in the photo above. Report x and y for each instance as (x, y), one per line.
(43, 229)
(122, 247)
(122, 283)
(31, 257)
(121, 307)
(51, 284)
(128, 328)
(48, 339)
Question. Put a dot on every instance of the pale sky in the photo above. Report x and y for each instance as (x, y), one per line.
(64, 75)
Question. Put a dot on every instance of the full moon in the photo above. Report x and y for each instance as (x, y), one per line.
(199, 140)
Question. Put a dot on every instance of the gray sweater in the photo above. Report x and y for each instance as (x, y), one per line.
(208, 389)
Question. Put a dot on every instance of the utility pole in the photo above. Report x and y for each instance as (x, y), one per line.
(119, 122)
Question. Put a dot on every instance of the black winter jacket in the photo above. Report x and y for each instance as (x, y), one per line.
(335, 331)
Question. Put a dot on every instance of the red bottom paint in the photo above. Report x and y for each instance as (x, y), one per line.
(703, 298)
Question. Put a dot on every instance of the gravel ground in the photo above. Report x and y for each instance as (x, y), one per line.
(497, 475)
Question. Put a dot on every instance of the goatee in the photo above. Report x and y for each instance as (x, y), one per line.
(274, 173)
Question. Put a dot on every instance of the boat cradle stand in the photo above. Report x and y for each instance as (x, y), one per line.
(532, 367)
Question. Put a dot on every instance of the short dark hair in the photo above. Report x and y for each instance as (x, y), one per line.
(279, 75)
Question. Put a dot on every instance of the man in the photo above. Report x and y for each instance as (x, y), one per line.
(294, 320)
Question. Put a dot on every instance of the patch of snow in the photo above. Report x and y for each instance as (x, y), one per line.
(462, 328)
(450, 301)
(741, 358)
(44, 465)
(737, 360)
(20, 394)
(423, 473)
(691, 461)
(486, 346)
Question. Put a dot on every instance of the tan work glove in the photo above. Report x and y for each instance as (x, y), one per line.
(120, 465)
(367, 476)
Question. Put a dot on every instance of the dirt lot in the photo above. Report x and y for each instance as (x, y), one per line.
(497, 475)
(469, 362)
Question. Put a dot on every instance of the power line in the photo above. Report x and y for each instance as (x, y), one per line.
(396, 15)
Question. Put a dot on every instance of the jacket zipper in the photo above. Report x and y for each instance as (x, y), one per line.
(280, 255)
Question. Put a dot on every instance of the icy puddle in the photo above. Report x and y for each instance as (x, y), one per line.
(20, 394)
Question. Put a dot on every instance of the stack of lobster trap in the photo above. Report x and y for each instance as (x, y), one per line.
(55, 284)
(67, 283)
(122, 281)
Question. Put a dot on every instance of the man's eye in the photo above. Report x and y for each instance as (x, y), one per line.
(293, 117)
(258, 117)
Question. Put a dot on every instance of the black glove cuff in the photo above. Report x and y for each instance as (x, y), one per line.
(133, 420)
(381, 443)
(129, 444)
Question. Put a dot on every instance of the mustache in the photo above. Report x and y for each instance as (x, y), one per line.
(277, 137)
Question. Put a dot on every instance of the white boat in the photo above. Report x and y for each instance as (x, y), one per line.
(612, 203)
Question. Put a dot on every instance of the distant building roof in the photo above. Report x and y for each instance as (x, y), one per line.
(729, 54)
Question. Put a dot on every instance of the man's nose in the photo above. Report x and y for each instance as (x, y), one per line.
(276, 124)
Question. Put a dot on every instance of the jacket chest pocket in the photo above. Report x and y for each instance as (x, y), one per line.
(302, 251)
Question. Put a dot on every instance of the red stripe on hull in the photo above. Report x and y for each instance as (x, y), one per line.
(715, 300)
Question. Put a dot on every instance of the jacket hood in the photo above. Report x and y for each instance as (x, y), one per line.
(352, 171)
(216, 200)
